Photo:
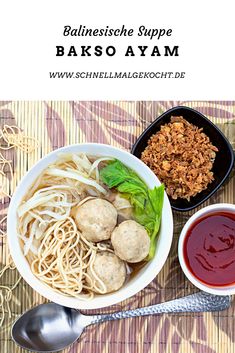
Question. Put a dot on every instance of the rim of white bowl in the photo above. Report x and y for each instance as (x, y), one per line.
(145, 276)
(224, 290)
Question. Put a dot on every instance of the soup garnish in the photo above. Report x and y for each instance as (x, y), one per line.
(182, 157)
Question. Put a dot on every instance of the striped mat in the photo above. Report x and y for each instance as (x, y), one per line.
(119, 123)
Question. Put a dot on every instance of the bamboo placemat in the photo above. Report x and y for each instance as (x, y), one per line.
(56, 124)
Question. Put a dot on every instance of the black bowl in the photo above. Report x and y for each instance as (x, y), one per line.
(223, 163)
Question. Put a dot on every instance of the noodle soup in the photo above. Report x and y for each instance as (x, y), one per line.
(88, 224)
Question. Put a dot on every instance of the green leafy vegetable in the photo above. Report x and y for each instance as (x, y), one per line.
(147, 203)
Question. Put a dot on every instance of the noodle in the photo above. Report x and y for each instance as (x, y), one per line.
(5, 299)
(62, 259)
(14, 137)
(3, 163)
(4, 194)
(58, 254)
(2, 222)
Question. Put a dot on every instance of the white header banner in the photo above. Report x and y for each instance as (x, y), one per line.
(124, 50)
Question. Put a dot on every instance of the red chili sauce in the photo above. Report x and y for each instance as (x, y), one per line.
(209, 249)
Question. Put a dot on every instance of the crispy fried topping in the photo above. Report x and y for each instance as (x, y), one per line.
(182, 157)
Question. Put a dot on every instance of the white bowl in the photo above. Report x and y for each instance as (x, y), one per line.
(144, 276)
(220, 207)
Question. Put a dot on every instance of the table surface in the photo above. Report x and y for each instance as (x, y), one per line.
(118, 123)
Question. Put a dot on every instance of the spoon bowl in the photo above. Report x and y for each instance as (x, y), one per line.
(48, 327)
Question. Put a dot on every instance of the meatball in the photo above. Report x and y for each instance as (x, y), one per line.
(96, 219)
(110, 270)
(130, 241)
(123, 207)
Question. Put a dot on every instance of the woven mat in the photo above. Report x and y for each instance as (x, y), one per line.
(56, 124)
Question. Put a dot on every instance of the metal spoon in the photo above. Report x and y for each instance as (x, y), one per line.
(51, 327)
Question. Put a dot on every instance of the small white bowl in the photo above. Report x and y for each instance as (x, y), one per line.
(220, 207)
(134, 285)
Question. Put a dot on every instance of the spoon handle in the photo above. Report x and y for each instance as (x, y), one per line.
(198, 302)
